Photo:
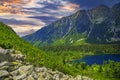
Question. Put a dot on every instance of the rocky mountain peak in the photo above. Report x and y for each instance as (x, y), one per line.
(116, 8)
(97, 25)
(116, 5)
(102, 7)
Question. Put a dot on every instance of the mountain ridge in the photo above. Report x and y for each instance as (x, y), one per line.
(97, 25)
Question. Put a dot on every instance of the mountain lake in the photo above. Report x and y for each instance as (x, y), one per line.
(99, 59)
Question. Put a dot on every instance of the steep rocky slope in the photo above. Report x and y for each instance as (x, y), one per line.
(97, 25)
(14, 67)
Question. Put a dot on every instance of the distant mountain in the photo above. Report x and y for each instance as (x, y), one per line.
(97, 25)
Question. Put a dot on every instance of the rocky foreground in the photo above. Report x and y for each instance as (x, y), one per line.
(14, 67)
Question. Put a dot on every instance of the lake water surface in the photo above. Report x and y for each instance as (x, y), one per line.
(99, 59)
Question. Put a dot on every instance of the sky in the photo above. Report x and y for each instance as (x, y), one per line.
(27, 16)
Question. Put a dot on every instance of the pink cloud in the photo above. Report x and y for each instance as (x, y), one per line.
(22, 10)
(70, 7)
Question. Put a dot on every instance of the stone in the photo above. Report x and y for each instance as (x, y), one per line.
(8, 79)
(42, 69)
(4, 67)
(40, 77)
(30, 78)
(3, 63)
(34, 74)
(78, 77)
(20, 77)
(2, 50)
(3, 73)
(56, 77)
(18, 56)
(12, 67)
(26, 69)
(14, 73)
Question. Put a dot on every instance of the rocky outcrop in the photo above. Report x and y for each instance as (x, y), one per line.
(13, 67)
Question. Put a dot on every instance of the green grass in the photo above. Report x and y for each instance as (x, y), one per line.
(9, 39)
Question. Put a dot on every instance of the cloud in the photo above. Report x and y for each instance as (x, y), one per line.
(23, 30)
(10, 6)
(16, 22)
(23, 27)
(27, 16)
(70, 7)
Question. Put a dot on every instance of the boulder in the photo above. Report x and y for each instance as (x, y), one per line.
(2, 50)
(20, 77)
(14, 73)
(34, 75)
(42, 69)
(17, 55)
(29, 78)
(4, 67)
(3, 63)
(40, 77)
(3, 73)
(79, 77)
(26, 69)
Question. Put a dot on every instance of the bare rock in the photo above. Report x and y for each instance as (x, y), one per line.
(3, 73)
(29, 78)
(26, 69)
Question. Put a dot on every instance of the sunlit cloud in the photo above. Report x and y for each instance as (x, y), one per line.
(12, 6)
(70, 7)
(23, 30)
(27, 16)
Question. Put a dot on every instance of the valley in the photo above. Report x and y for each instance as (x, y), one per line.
(61, 48)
